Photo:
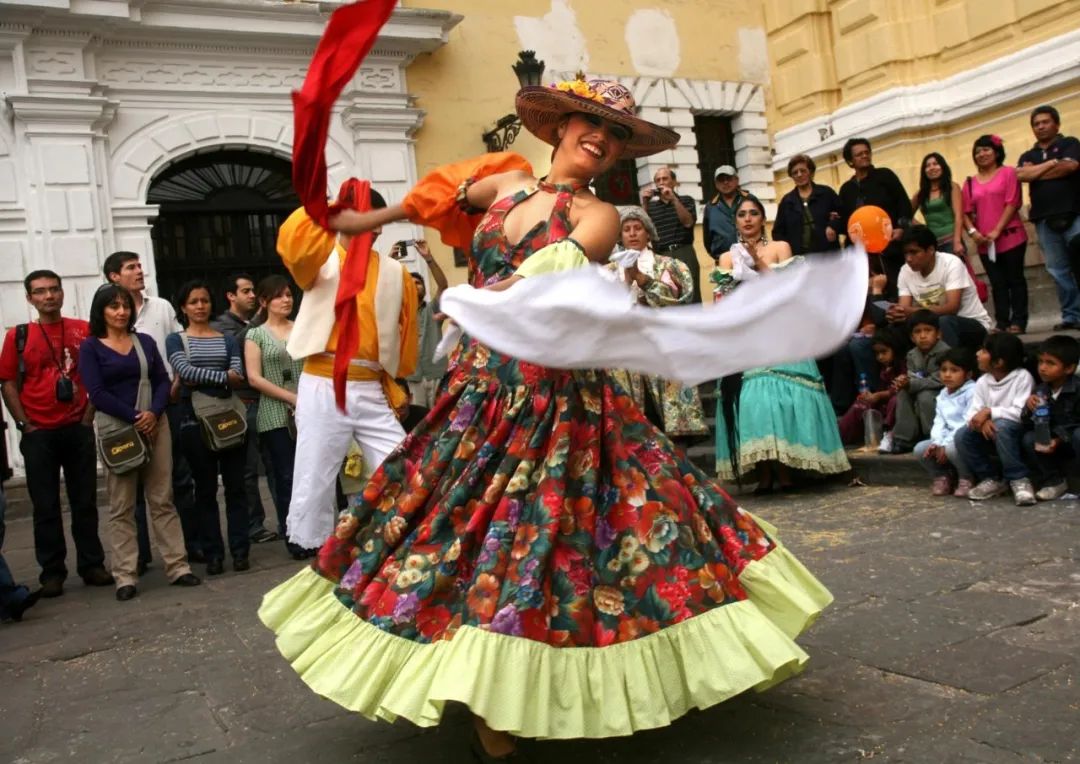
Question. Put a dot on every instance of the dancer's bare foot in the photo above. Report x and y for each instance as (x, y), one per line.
(496, 744)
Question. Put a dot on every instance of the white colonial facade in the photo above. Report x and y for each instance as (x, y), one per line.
(98, 97)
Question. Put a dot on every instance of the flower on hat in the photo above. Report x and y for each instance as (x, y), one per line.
(995, 139)
(580, 88)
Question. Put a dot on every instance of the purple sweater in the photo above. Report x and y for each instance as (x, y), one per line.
(112, 380)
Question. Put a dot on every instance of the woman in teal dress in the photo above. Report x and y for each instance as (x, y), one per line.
(534, 548)
(776, 418)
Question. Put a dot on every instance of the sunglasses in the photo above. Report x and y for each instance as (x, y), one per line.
(619, 132)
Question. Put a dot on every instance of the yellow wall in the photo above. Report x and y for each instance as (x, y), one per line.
(468, 84)
(829, 53)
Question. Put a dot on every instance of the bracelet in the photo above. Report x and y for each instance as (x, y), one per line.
(462, 197)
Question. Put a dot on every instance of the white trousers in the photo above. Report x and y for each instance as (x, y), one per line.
(323, 435)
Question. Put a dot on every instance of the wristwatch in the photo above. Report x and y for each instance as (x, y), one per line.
(972, 231)
(20, 425)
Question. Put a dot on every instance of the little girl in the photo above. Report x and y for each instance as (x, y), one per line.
(889, 348)
(939, 455)
(993, 426)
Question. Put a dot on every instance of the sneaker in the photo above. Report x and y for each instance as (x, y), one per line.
(963, 488)
(1051, 492)
(941, 486)
(263, 535)
(988, 489)
(885, 447)
(1023, 492)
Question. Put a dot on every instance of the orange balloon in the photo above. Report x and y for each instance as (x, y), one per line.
(871, 226)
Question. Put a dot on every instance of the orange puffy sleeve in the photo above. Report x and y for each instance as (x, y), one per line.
(433, 201)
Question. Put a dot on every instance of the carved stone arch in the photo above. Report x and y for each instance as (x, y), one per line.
(139, 159)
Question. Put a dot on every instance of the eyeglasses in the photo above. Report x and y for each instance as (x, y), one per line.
(619, 132)
(40, 291)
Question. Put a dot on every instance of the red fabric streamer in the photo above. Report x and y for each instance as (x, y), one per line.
(348, 37)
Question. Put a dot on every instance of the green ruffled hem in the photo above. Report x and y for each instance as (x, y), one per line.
(531, 689)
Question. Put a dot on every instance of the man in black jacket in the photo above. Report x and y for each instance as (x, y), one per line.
(877, 186)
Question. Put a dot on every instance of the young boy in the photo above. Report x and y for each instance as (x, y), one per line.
(917, 390)
(1060, 392)
(991, 442)
(938, 455)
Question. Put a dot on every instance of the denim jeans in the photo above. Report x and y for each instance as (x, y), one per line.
(10, 593)
(205, 467)
(982, 456)
(1050, 469)
(46, 453)
(282, 449)
(1055, 247)
(937, 469)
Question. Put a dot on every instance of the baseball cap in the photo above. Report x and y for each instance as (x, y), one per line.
(724, 169)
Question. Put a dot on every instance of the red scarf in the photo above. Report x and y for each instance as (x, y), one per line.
(348, 37)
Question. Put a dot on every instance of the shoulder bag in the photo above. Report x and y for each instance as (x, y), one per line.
(223, 421)
(122, 447)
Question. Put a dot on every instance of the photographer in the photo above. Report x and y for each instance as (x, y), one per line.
(674, 216)
(39, 375)
(424, 382)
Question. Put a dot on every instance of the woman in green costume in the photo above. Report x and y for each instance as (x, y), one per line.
(535, 549)
(775, 418)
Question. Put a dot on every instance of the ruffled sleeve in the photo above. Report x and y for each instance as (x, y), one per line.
(433, 201)
(563, 255)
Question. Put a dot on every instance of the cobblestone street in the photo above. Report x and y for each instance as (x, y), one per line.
(955, 637)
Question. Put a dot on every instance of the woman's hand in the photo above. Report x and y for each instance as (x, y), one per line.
(830, 234)
(423, 249)
(981, 240)
(958, 246)
(290, 399)
(145, 422)
(234, 379)
(993, 235)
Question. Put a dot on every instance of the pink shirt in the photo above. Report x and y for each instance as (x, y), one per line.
(985, 202)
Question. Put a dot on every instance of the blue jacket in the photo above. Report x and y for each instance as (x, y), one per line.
(949, 415)
(718, 227)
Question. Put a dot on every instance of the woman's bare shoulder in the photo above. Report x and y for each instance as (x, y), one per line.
(725, 261)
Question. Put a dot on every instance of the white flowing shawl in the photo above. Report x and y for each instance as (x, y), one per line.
(577, 319)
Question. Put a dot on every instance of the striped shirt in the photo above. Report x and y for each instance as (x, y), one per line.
(209, 363)
(669, 228)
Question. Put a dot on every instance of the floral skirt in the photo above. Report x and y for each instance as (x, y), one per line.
(538, 551)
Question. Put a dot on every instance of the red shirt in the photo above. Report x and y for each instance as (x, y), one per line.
(51, 350)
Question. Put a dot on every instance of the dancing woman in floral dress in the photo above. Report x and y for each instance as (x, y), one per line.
(535, 549)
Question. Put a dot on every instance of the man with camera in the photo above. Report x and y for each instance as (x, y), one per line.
(674, 216)
(39, 377)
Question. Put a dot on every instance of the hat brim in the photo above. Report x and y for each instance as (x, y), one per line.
(540, 109)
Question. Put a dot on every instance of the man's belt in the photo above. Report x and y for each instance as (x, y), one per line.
(673, 247)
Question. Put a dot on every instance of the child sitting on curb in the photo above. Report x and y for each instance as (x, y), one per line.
(1059, 392)
(993, 426)
(938, 455)
(888, 346)
(917, 390)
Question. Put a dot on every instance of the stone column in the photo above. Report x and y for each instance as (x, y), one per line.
(57, 135)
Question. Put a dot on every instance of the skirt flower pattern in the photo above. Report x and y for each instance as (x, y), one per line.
(539, 505)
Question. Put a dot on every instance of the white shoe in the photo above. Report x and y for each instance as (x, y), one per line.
(1051, 492)
(885, 446)
(1023, 492)
(988, 489)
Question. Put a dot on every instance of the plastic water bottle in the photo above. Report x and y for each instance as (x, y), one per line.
(864, 383)
(1041, 419)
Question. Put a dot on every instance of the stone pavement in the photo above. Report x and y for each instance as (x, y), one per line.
(955, 637)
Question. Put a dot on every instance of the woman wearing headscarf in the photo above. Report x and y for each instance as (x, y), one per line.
(656, 281)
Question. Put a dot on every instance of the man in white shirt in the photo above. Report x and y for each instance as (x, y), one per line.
(941, 284)
(156, 317)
